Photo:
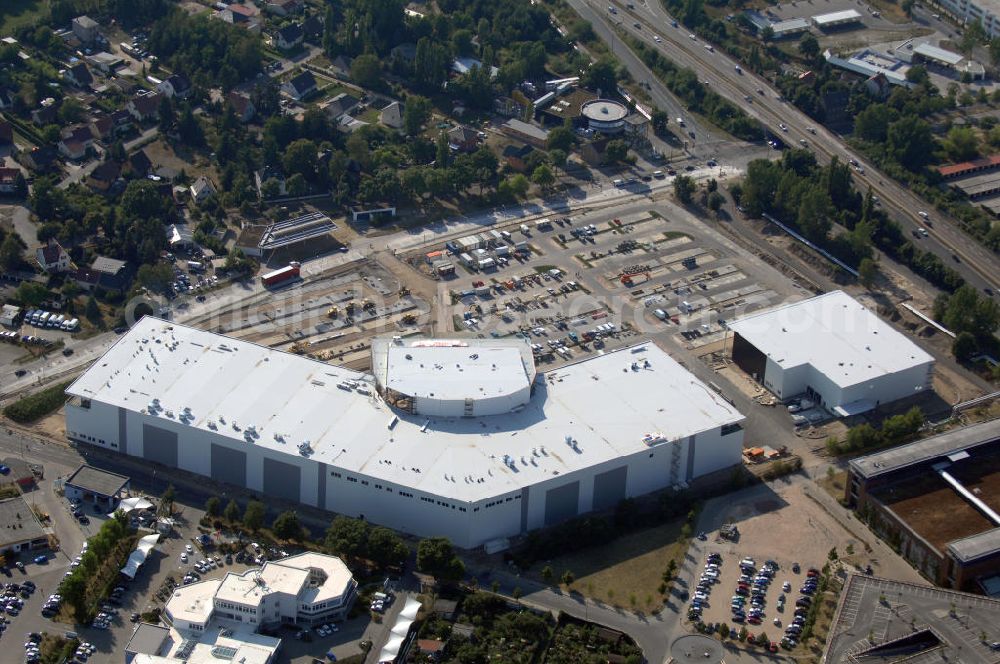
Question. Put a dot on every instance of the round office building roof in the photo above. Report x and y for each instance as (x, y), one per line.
(604, 110)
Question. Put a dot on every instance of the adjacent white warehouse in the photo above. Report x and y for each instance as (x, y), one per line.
(833, 350)
(475, 446)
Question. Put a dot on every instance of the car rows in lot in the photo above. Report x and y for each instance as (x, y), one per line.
(47, 319)
(709, 577)
(751, 587)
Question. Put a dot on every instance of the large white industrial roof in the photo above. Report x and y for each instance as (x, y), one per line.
(833, 18)
(835, 334)
(456, 370)
(611, 405)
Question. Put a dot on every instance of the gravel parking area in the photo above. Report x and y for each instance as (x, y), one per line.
(776, 523)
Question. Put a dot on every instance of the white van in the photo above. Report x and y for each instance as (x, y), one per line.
(524, 228)
(660, 313)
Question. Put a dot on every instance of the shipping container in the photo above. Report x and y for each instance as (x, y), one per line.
(281, 275)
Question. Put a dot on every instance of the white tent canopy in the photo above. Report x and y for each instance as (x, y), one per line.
(130, 504)
(399, 631)
(138, 557)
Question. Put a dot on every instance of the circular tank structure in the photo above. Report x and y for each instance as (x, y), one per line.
(605, 115)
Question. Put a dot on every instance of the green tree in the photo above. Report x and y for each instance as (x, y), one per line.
(71, 111)
(560, 138)
(436, 556)
(154, 277)
(684, 189)
(386, 548)
(416, 111)
(832, 555)
(715, 201)
(167, 500)
(189, 129)
(602, 77)
(366, 71)
(867, 272)
(547, 574)
(348, 537)
(961, 144)
(966, 310)
(253, 515)
(10, 251)
(965, 347)
(514, 187)
(213, 506)
(91, 311)
(165, 111)
(568, 578)
(543, 177)
(918, 74)
(815, 214)
(872, 124)
(287, 526)
(809, 46)
(615, 151)
(232, 512)
(660, 120)
(300, 157)
(907, 7)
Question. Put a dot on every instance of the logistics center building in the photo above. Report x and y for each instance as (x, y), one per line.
(833, 350)
(458, 438)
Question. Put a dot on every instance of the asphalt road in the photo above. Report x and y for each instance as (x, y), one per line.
(976, 264)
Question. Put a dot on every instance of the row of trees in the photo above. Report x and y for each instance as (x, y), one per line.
(973, 317)
(88, 584)
(894, 430)
(810, 198)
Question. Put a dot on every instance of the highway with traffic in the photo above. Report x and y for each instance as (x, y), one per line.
(759, 99)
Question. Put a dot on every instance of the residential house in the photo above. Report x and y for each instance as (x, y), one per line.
(106, 62)
(6, 133)
(242, 106)
(289, 36)
(6, 99)
(339, 106)
(40, 159)
(240, 13)
(10, 316)
(102, 127)
(9, 181)
(405, 52)
(75, 142)
(592, 152)
(516, 156)
(509, 108)
(176, 85)
(79, 75)
(85, 29)
(268, 173)
(104, 272)
(342, 65)
(300, 86)
(463, 65)
(312, 28)
(121, 122)
(283, 7)
(463, 139)
(392, 115)
(52, 257)
(104, 176)
(202, 189)
(140, 164)
(45, 115)
(145, 107)
(525, 132)
(878, 86)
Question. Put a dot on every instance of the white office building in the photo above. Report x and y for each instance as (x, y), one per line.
(459, 438)
(986, 12)
(306, 589)
(833, 350)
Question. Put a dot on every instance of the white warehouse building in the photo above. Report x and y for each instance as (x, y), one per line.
(832, 350)
(457, 438)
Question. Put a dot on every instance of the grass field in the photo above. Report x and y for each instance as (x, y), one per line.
(627, 571)
(15, 14)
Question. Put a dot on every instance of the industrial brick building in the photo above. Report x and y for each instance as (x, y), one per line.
(937, 501)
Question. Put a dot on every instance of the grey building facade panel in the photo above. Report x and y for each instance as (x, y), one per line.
(159, 445)
(689, 474)
(122, 431)
(609, 488)
(562, 503)
(229, 466)
(321, 475)
(282, 480)
(525, 496)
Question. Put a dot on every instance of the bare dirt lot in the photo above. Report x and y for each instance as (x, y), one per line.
(779, 523)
